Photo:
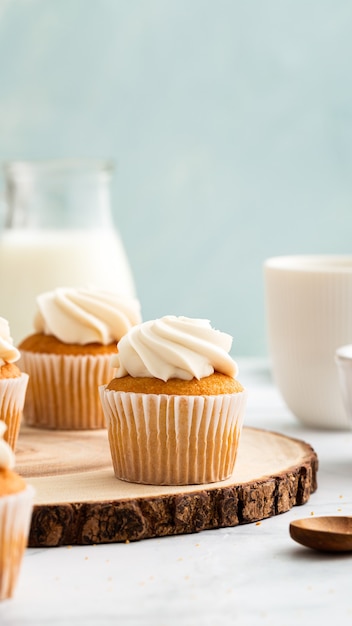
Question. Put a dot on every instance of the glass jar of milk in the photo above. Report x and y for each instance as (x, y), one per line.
(58, 232)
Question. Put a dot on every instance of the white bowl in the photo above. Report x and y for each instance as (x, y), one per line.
(343, 360)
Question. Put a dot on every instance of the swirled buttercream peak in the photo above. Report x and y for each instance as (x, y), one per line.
(174, 347)
(83, 316)
(8, 352)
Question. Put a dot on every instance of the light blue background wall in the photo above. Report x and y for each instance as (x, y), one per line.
(230, 122)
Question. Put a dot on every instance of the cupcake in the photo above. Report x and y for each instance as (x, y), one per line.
(13, 385)
(16, 504)
(68, 356)
(174, 409)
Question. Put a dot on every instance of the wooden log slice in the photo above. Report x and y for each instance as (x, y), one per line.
(79, 500)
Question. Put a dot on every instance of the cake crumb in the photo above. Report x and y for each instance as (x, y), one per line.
(257, 523)
(312, 512)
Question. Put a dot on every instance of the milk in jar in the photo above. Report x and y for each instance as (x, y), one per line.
(58, 232)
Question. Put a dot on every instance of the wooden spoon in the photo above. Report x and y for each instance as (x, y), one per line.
(327, 534)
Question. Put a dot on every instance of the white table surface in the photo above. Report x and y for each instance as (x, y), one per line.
(252, 574)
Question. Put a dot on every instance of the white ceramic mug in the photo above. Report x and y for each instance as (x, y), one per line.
(309, 315)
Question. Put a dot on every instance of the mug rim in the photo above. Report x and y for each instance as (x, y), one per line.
(316, 263)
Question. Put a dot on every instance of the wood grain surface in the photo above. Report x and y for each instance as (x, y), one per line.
(79, 500)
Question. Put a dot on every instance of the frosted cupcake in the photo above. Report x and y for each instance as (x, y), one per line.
(175, 409)
(68, 357)
(13, 385)
(16, 504)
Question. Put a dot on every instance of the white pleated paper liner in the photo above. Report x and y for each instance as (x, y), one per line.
(173, 440)
(12, 398)
(63, 390)
(15, 517)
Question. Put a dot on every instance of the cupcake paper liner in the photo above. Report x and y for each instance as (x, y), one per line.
(15, 517)
(173, 440)
(12, 399)
(63, 390)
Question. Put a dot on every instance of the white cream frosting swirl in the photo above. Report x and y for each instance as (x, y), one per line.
(8, 352)
(85, 316)
(7, 456)
(174, 347)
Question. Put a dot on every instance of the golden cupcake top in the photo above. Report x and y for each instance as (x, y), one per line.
(214, 385)
(174, 348)
(48, 344)
(85, 315)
